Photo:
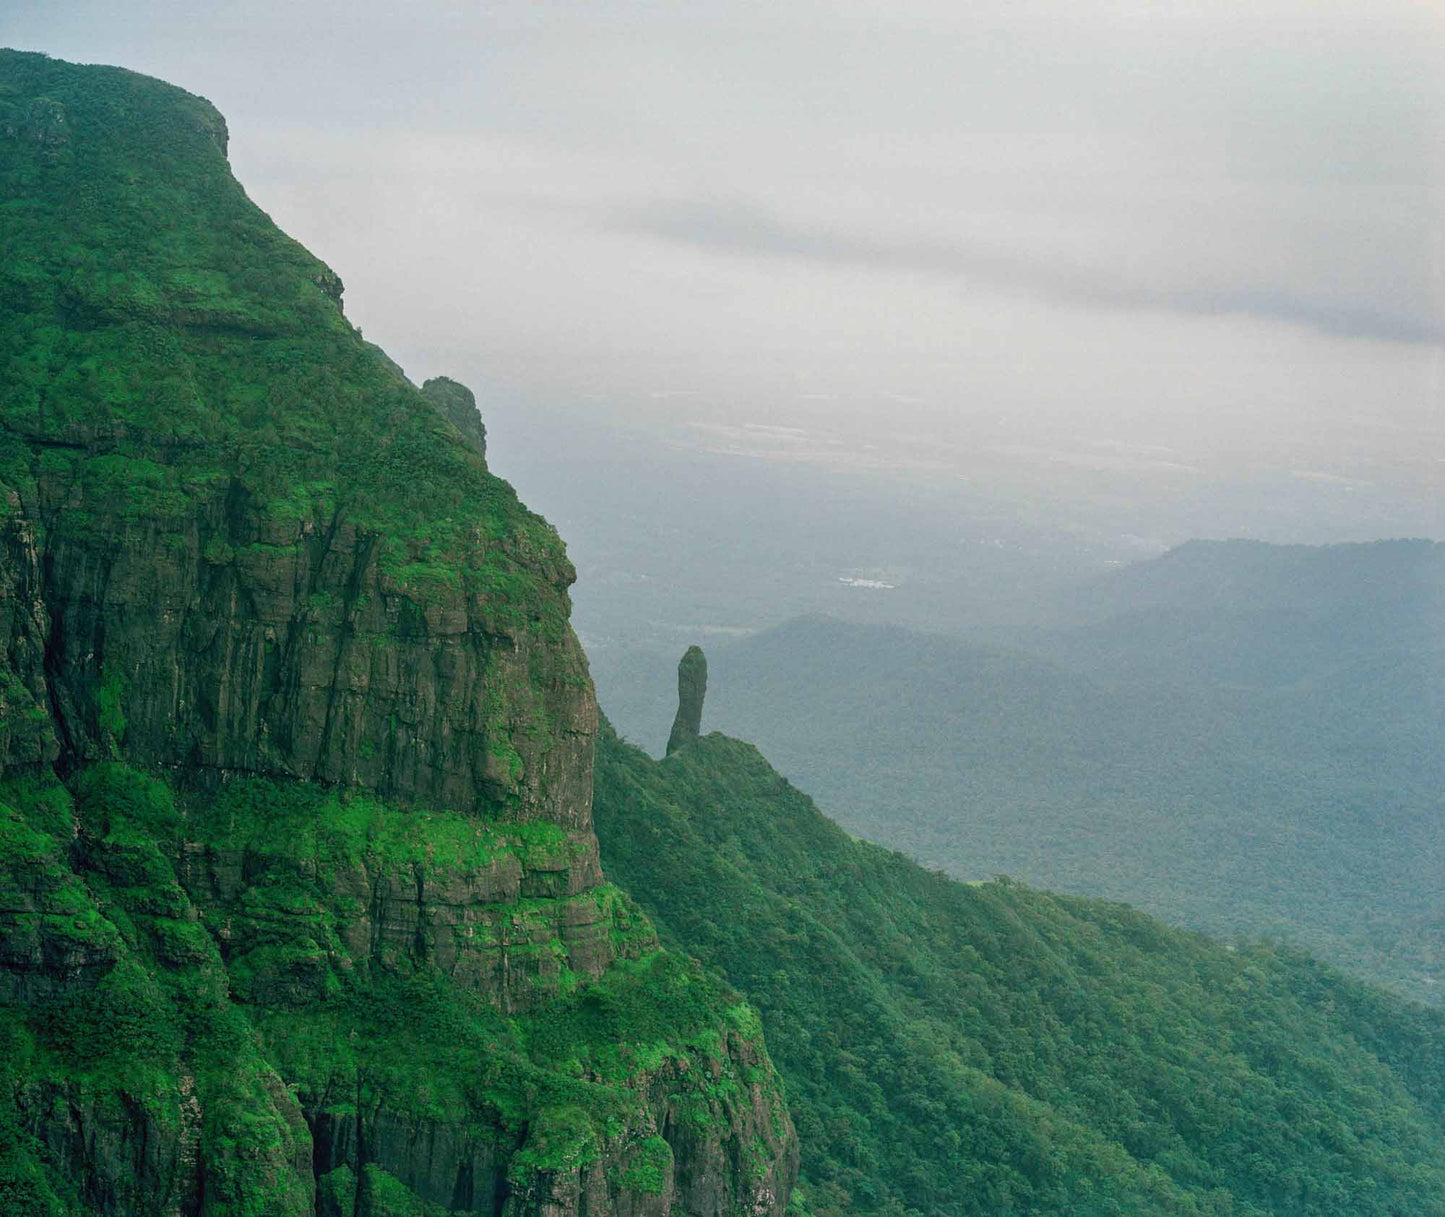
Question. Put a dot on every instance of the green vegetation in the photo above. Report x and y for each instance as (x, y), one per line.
(177, 378)
(213, 957)
(1257, 766)
(649, 1169)
(144, 1022)
(987, 1048)
(151, 299)
(112, 716)
(230, 993)
(241, 548)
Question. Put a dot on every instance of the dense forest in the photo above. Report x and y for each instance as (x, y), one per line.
(990, 1048)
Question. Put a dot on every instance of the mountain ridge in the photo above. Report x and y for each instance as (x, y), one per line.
(301, 902)
(989, 1048)
(1261, 760)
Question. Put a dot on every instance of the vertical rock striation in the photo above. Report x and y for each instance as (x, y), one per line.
(316, 922)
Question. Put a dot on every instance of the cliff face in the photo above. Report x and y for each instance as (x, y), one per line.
(240, 640)
(325, 842)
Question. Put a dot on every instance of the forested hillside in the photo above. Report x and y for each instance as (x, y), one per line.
(1242, 738)
(993, 1049)
(302, 911)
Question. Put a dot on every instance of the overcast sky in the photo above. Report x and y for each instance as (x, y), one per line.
(1187, 238)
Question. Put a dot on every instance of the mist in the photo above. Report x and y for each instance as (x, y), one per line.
(1110, 274)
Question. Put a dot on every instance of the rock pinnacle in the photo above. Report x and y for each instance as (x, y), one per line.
(691, 689)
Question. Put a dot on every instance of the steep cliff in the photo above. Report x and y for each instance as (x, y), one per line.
(300, 902)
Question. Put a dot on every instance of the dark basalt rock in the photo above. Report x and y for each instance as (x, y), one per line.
(239, 641)
(691, 689)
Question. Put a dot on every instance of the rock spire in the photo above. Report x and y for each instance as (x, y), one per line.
(691, 689)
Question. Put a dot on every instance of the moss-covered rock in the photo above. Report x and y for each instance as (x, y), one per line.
(458, 406)
(298, 881)
(233, 538)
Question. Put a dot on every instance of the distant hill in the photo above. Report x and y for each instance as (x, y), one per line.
(1319, 580)
(1244, 612)
(992, 1049)
(1239, 737)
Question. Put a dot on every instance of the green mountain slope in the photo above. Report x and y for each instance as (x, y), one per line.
(300, 903)
(953, 1048)
(1269, 762)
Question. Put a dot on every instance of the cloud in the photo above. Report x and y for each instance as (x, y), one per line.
(748, 230)
(934, 227)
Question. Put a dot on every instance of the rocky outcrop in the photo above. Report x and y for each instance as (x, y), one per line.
(456, 403)
(27, 735)
(509, 930)
(694, 1155)
(691, 689)
(684, 1154)
(132, 1156)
